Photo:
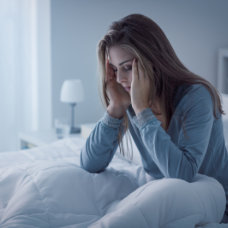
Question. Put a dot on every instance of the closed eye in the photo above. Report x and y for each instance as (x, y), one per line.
(127, 67)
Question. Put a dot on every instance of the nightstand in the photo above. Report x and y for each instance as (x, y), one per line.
(29, 140)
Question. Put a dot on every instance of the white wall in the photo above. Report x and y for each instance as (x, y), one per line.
(196, 29)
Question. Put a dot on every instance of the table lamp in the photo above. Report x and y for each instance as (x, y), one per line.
(72, 93)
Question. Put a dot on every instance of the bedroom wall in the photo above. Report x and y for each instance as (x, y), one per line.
(196, 29)
(44, 84)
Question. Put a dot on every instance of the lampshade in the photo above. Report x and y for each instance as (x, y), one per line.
(72, 91)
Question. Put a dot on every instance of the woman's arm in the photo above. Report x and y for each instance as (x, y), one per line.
(101, 144)
(182, 160)
(103, 141)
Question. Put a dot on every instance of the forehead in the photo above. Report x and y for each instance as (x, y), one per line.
(117, 54)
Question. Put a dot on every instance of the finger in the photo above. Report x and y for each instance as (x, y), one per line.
(133, 69)
(109, 71)
(135, 75)
(141, 71)
(137, 68)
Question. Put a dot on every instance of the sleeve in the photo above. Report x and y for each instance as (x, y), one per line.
(183, 160)
(101, 145)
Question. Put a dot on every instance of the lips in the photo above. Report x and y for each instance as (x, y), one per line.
(128, 89)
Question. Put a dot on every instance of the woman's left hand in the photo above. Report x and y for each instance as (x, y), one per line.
(140, 87)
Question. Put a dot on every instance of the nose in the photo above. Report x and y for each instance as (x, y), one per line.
(120, 77)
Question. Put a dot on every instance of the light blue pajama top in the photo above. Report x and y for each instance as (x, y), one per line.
(194, 142)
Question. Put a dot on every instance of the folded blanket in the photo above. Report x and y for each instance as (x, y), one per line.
(45, 187)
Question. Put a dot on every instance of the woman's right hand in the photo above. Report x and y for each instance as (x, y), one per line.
(118, 96)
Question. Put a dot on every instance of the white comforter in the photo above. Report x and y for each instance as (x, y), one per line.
(45, 187)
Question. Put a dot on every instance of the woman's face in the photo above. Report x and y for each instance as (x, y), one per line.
(121, 62)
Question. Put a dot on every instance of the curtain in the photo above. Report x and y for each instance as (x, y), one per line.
(18, 73)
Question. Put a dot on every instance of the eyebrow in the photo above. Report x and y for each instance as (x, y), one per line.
(125, 61)
(128, 60)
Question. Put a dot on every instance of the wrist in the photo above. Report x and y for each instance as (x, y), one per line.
(139, 110)
(115, 112)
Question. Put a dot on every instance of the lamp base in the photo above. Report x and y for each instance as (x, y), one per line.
(75, 130)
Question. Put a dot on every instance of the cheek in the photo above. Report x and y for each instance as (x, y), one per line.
(130, 77)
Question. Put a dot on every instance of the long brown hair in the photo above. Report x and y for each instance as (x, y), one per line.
(147, 42)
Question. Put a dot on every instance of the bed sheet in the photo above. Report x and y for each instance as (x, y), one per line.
(45, 187)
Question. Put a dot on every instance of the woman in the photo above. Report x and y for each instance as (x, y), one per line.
(173, 115)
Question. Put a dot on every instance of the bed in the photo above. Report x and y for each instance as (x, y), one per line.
(45, 187)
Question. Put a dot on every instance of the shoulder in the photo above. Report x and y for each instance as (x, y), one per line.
(195, 89)
(198, 92)
(196, 95)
